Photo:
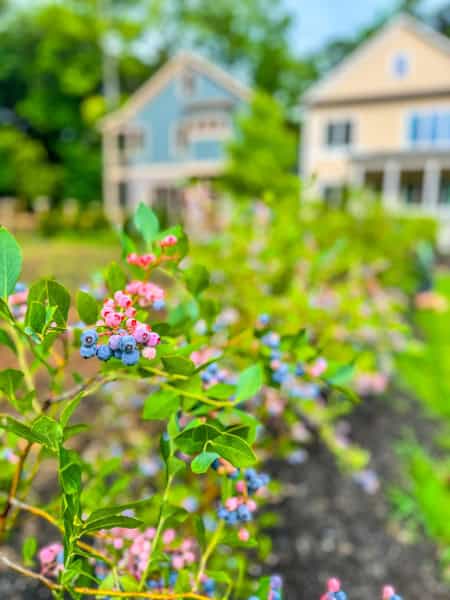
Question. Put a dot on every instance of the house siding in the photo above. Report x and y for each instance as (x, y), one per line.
(159, 119)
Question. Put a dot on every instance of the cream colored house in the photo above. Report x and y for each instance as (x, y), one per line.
(381, 119)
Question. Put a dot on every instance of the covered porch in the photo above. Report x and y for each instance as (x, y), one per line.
(415, 180)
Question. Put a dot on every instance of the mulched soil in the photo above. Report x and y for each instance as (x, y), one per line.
(331, 527)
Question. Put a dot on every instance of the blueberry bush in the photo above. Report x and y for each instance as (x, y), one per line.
(163, 493)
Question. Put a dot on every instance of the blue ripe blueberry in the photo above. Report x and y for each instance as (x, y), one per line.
(129, 359)
(213, 369)
(299, 370)
(234, 474)
(222, 513)
(264, 478)
(341, 595)
(205, 377)
(396, 597)
(275, 355)
(153, 584)
(253, 598)
(89, 337)
(275, 595)
(209, 586)
(215, 464)
(173, 576)
(250, 473)
(127, 344)
(20, 287)
(88, 351)
(231, 518)
(264, 319)
(276, 582)
(104, 352)
(118, 354)
(158, 305)
(244, 513)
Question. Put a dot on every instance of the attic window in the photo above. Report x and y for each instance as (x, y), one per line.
(188, 83)
(400, 65)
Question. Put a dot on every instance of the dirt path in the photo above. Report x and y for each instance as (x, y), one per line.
(332, 527)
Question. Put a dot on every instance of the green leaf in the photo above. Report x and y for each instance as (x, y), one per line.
(175, 465)
(111, 521)
(203, 461)
(234, 449)
(10, 262)
(69, 409)
(10, 382)
(146, 222)
(29, 549)
(49, 431)
(87, 307)
(197, 279)
(115, 278)
(192, 440)
(110, 511)
(221, 391)
(52, 295)
(6, 340)
(70, 471)
(178, 365)
(37, 316)
(341, 375)
(20, 429)
(249, 383)
(161, 405)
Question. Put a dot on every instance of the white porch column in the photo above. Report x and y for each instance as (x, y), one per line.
(138, 193)
(391, 184)
(431, 185)
(358, 176)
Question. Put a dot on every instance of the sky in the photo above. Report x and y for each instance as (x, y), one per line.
(318, 21)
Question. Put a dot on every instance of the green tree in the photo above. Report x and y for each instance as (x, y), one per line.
(25, 170)
(262, 157)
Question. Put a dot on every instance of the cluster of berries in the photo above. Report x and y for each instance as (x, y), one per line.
(51, 559)
(240, 508)
(18, 301)
(213, 374)
(335, 592)
(223, 467)
(125, 335)
(144, 261)
(208, 585)
(275, 589)
(121, 345)
(136, 548)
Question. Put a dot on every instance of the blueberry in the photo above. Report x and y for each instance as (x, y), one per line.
(276, 582)
(234, 474)
(243, 513)
(205, 377)
(341, 595)
(299, 370)
(158, 305)
(129, 359)
(127, 344)
(209, 586)
(222, 513)
(173, 576)
(88, 351)
(250, 473)
(89, 337)
(264, 319)
(104, 352)
(232, 517)
(118, 354)
(275, 595)
(213, 369)
(20, 287)
(215, 464)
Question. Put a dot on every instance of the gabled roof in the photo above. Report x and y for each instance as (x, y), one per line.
(172, 68)
(403, 20)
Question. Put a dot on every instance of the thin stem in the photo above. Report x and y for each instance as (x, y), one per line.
(158, 532)
(14, 486)
(97, 592)
(215, 539)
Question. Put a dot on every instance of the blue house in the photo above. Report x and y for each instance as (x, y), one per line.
(170, 131)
